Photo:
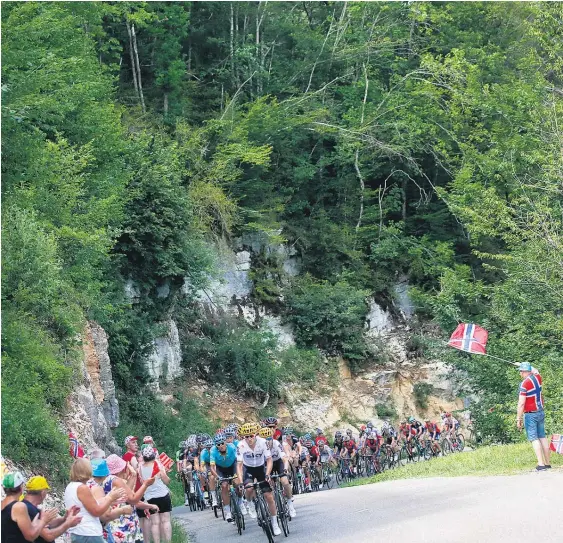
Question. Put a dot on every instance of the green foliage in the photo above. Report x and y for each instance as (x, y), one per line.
(386, 411)
(421, 392)
(330, 316)
(301, 365)
(35, 385)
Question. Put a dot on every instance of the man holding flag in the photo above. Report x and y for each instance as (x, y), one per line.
(531, 414)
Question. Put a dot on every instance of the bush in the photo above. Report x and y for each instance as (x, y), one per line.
(330, 316)
(300, 365)
(35, 384)
(386, 411)
(421, 392)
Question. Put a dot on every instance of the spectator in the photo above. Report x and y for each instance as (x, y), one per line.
(36, 489)
(97, 453)
(126, 529)
(78, 493)
(132, 447)
(157, 494)
(531, 414)
(17, 525)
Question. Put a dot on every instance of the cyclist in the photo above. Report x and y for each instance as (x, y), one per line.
(450, 427)
(434, 434)
(350, 451)
(272, 422)
(223, 461)
(254, 461)
(204, 459)
(280, 465)
(303, 460)
(320, 436)
(338, 442)
(181, 456)
(315, 456)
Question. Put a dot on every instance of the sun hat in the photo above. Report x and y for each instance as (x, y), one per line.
(148, 439)
(37, 483)
(115, 464)
(13, 480)
(100, 467)
(129, 439)
(144, 446)
(148, 452)
(525, 366)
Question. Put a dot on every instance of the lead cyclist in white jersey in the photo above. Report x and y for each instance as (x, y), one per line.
(254, 461)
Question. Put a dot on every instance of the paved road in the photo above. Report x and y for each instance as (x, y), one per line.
(521, 508)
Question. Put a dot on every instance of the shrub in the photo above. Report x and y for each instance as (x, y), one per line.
(300, 365)
(330, 316)
(421, 392)
(386, 411)
(35, 384)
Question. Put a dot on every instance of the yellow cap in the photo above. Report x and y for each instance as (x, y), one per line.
(37, 483)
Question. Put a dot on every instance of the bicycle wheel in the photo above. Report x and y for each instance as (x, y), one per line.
(328, 477)
(446, 449)
(283, 512)
(461, 441)
(265, 522)
(403, 457)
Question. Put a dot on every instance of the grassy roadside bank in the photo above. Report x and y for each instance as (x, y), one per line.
(494, 460)
(179, 534)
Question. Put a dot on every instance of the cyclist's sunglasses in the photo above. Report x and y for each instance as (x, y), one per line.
(222, 443)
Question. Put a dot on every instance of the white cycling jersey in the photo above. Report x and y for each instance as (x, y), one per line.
(276, 450)
(253, 457)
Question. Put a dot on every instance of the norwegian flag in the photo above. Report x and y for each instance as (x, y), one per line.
(75, 450)
(166, 461)
(470, 338)
(557, 443)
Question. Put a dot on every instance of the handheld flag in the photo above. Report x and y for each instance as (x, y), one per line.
(155, 469)
(75, 450)
(470, 338)
(557, 443)
(166, 461)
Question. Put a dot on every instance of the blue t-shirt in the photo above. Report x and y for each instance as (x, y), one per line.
(226, 460)
(204, 456)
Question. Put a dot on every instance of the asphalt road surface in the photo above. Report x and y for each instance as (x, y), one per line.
(521, 508)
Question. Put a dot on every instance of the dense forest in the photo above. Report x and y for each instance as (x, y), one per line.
(381, 140)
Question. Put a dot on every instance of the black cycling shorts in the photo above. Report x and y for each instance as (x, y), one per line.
(229, 471)
(258, 473)
(278, 467)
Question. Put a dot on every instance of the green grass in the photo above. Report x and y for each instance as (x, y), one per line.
(493, 460)
(179, 534)
(176, 489)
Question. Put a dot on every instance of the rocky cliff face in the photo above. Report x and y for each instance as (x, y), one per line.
(332, 403)
(93, 409)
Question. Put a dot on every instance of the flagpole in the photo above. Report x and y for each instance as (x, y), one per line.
(447, 344)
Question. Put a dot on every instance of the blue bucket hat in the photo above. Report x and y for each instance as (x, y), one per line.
(100, 467)
(525, 366)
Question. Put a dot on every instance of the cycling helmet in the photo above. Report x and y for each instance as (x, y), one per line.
(371, 435)
(307, 436)
(249, 429)
(448, 415)
(182, 445)
(363, 427)
(200, 438)
(206, 436)
(287, 430)
(266, 432)
(192, 440)
(338, 433)
(294, 439)
(271, 421)
(411, 419)
(322, 441)
(220, 431)
(208, 443)
(220, 438)
(230, 432)
(370, 424)
(319, 431)
(349, 432)
(347, 438)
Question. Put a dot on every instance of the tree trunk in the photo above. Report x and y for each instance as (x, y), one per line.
(257, 51)
(357, 161)
(133, 67)
(232, 46)
(165, 105)
(144, 109)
